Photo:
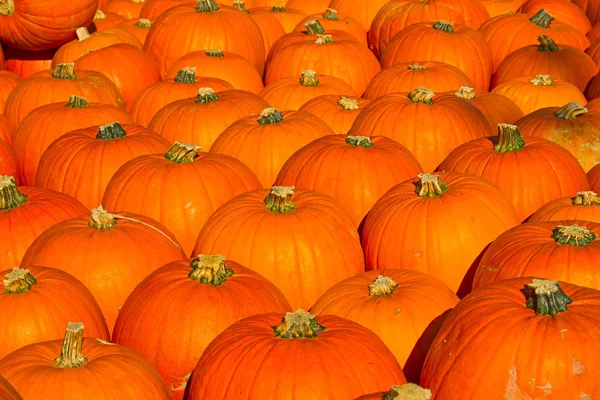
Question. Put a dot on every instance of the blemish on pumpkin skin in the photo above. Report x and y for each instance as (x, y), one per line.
(515, 392)
(584, 396)
(181, 385)
(577, 366)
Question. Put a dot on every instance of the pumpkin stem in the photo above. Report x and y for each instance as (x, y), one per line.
(542, 18)
(571, 111)
(574, 235)
(186, 75)
(18, 281)
(102, 219)
(444, 26)
(309, 78)
(362, 141)
(408, 391)
(143, 23)
(10, 197)
(299, 324)
(429, 185)
(415, 67)
(278, 9)
(542, 80)
(206, 6)
(77, 102)
(214, 53)
(114, 130)
(509, 138)
(546, 44)
(209, 269)
(65, 71)
(99, 15)
(547, 298)
(382, 286)
(206, 95)
(466, 93)
(82, 33)
(314, 27)
(331, 15)
(240, 5)
(270, 116)
(7, 7)
(348, 104)
(183, 153)
(324, 39)
(279, 200)
(421, 95)
(588, 198)
(70, 354)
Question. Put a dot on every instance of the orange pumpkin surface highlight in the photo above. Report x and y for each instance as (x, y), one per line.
(125, 8)
(288, 17)
(495, 107)
(339, 112)
(138, 27)
(107, 20)
(584, 206)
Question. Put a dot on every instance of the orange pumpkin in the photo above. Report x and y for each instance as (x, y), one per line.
(360, 11)
(563, 10)
(593, 89)
(7, 132)
(593, 105)
(50, 298)
(7, 391)
(8, 162)
(594, 33)
(408, 391)
(270, 27)
(125, 8)
(154, 8)
(499, 7)
(25, 63)
(202, 119)
(308, 7)
(138, 27)
(496, 108)
(8, 81)
(339, 112)
(289, 18)
(222, 292)
(107, 20)
(594, 177)
(591, 8)
(584, 206)
(404, 308)
(331, 20)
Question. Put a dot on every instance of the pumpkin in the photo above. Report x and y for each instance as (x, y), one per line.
(593, 105)
(26, 212)
(7, 132)
(559, 61)
(154, 8)
(591, 8)
(30, 25)
(47, 87)
(594, 177)
(563, 11)
(289, 18)
(81, 162)
(408, 391)
(8, 81)
(594, 33)
(528, 334)
(270, 27)
(204, 26)
(531, 94)
(185, 85)
(309, 7)
(68, 368)
(499, 7)
(331, 20)
(277, 134)
(114, 253)
(584, 206)
(414, 226)
(291, 93)
(125, 8)
(128, 67)
(355, 170)
(7, 391)
(342, 348)
(25, 63)
(46, 299)
(432, 125)
(496, 108)
(404, 308)
(360, 11)
(8, 162)
(197, 183)
(571, 126)
(106, 20)
(138, 27)
(339, 112)
(509, 32)
(593, 89)
(222, 292)
(434, 75)
(317, 244)
(201, 119)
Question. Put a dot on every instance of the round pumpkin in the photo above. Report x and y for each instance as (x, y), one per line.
(362, 12)
(331, 20)
(408, 391)
(7, 391)
(339, 112)
(591, 8)
(499, 7)
(309, 6)
(222, 293)
(8, 162)
(125, 8)
(8, 81)
(44, 299)
(584, 206)
(138, 27)
(594, 177)
(154, 8)
(593, 89)
(563, 11)
(594, 33)
(107, 20)
(495, 107)
(288, 17)
(593, 105)
(7, 132)
(26, 63)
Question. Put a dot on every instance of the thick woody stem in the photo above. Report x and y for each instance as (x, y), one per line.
(542, 80)
(408, 391)
(415, 67)
(588, 198)
(466, 93)
(65, 71)
(348, 104)
(314, 27)
(279, 200)
(77, 102)
(299, 324)
(509, 138)
(183, 152)
(214, 53)
(309, 78)
(571, 111)
(143, 23)
(111, 131)
(10, 197)
(362, 141)
(186, 75)
(18, 281)
(324, 39)
(546, 44)
(444, 26)
(270, 116)
(206, 95)
(574, 235)
(102, 219)
(70, 354)
(331, 15)
(429, 185)
(99, 15)
(421, 95)
(82, 33)
(209, 269)
(542, 18)
(547, 298)
(7, 7)
(382, 286)
(206, 6)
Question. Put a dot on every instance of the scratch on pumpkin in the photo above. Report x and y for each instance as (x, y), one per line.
(577, 366)
(515, 392)
(182, 385)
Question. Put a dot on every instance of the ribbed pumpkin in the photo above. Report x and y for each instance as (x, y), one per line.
(157, 313)
(571, 126)
(593, 89)
(541, 91)
(339, 112)
(26, 212)
(180, 189)
(26, 63)
(432, 125)
(204, 26)
(7, 132)
(317, 244)
(291, 93)
(270, 27)
(107, 20)
(154, 8)
(331, 20)
(45, 299)
(355, 170)
(531, 171)
(593, 105)
(415, 224)
(7, 391)
(404, 308)
(265, 143)
(594, 178)
(496, 108)
(434, 75)
(446, 42)
(563, 11)
(557, 60)
(408, 391)
(138, 27)
(309, 6)
(498, 7)
(584, 206)
(342, 348)
(594, 33)
(8, 162)
(8, 81)
(289, 18)
(202, 119)
(591, 8)
(81, 162)
(362, 12)
(528, 334)
(126, 8)
(48, 87)
(81, 368)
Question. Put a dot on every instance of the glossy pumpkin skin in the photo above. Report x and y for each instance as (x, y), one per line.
(362, 12)
(523, 352)
(270, 28)
(594, 177)
(138, 27)
(8, 81)
(332, 110)
(499, 7)
(8, 162)
(496, 108)
(343, 348)
(316, 243)
(54, 300)
(564, 11)
(7, 391)
(583, 206)
(126, 8)
(431, 245)
(407, 319)
(158, 310)
(107, 20)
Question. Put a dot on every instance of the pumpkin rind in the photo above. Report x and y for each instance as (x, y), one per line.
(583, 206)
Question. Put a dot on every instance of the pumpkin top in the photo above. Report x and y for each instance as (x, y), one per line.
(206, 95)
(309, 78)
(143, 23)
(111, 131)
(466, 93)
(331, 15)
(347, 103)
(542, 80)
(421, 95)
(182, 153)
(416, 67)
(314, 27)
(299, 324)
(574, 235)
(70, 353)
(270, 116)
(408, 391)
(382, 286)
(77, 102)
(240, 5)
(362, 141)
(542, 18)
(547, 298)
(214, 53)
(99, 15)
(546, 44)
(7, 8)
(279, 200)
(186, 75)
(571, 111)
(324, 39)
(277, 9)
(209, 269)
(444, 26)
(206, 6)
(65, 71)
(10, 197)
(429, 185)
(101, 219)
(18, 281)
(588, 198)
(509, 138)
(82, 33)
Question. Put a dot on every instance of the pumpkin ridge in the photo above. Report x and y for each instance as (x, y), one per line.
(571, 111)
(298, 324)
(18, 281)
(10, 197)
(183, 152)
(589, 198)
(111, 131)
(509, 138)
(279, 200)
(429, 185)
(70, 353)
(547, 298)
(574, 235)
(209, 269)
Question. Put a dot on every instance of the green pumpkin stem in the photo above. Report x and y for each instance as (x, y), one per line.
(382, 286)
(362, 141)
(408, 391)
(182, 153)
(270, 116)
(314, 27)
(331, 15)
(70, 354)
(416, 67)
(278, 9)
(18, 281)
(101, 219)
(65, 71)
(279, 200)
(309, 78)
(77, 102)
(588, 198)
(347, 103)
(111, 131)
(10, 197)
(421, 95)
(214, 53)
(7, 7)
(206, 95)
(82, 33)
(444, 26)
(429, 185)
(574, 235)
(542, 80)
(209, 269)
(206, 6)
(324, 39)
(547, 45)
(143, 23)
(296, 325)
(466, 93)
(240, 5)
(571, 111)
(542, 18)
(547, 298)
(509, 138)
(186, 75)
